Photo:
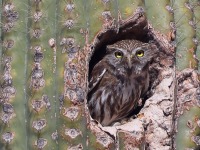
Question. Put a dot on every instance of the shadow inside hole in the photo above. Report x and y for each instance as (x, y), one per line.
(96, 57)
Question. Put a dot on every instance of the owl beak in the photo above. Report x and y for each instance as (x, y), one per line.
(129, 62)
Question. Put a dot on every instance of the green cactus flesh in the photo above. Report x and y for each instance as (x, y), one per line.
(185, 33)
(189, 124)
(158, 12)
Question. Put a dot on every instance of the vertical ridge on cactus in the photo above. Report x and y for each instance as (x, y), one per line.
(46, 49)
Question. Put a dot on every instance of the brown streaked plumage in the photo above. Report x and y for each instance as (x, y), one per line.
(119, 80)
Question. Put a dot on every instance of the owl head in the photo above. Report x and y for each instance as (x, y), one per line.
(129, 56)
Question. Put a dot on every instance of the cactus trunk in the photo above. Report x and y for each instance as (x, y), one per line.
(47, 48)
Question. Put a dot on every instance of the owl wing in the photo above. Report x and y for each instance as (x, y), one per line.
(97, 75)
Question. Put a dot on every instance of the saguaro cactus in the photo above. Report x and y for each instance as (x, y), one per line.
(47, 48)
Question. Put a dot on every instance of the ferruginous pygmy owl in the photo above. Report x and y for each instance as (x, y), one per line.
(119, 80)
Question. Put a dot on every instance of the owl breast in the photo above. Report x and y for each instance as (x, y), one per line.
(115, 98)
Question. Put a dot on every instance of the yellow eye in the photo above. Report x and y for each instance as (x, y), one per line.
(140, 53)
(118, 54)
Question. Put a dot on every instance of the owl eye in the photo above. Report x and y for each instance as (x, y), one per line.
(118, 54)
(140, 53)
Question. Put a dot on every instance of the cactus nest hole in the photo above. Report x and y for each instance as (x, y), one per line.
(138, 28)
(154, 116)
